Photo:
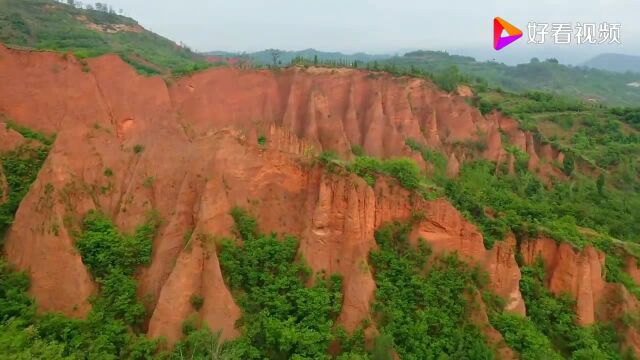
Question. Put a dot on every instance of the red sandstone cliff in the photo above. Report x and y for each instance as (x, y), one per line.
(201, 158)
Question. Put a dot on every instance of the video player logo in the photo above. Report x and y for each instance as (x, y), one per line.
(500, 24)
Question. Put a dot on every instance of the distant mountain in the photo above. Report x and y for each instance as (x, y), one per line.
(265, 57)
(615, 62)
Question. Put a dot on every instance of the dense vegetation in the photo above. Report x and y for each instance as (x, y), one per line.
(424, 305)
(282, 318)
(523, 205)
(50, 25)
(599, 138)
(20, 167)
(111, 331)
(523, 336)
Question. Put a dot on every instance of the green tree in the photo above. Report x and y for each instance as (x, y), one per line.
(600, 184)
(568, 164)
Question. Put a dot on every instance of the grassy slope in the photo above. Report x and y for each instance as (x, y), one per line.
(48, 25)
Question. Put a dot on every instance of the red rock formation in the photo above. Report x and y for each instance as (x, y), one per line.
(329, 108)
(38, 242)
(196, 272)
(580, 273)
(201, 157)
(577, 272)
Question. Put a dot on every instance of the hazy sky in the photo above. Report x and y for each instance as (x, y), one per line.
(378, 26)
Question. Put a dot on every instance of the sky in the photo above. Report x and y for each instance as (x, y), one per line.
(381, 26)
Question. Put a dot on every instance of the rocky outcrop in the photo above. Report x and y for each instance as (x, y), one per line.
(579, 273)
(447, 231)
(38, 242)
(195, 273)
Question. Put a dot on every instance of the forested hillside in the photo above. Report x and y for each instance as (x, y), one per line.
(587, 84)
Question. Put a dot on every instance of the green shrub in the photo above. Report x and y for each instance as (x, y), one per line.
(382, 348)
(148, 182)
(328, 156)
(568, 164)
(449, 79)
(413, 144)
(358, 150)
(406, 171)
(486, 107)
(202, 344)
(189, 325)
(367, 168)
(196, 301)
(110, 331)
(137, 148)
(436, 158)
(14, 301)
(262, 140)
(521, 158)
